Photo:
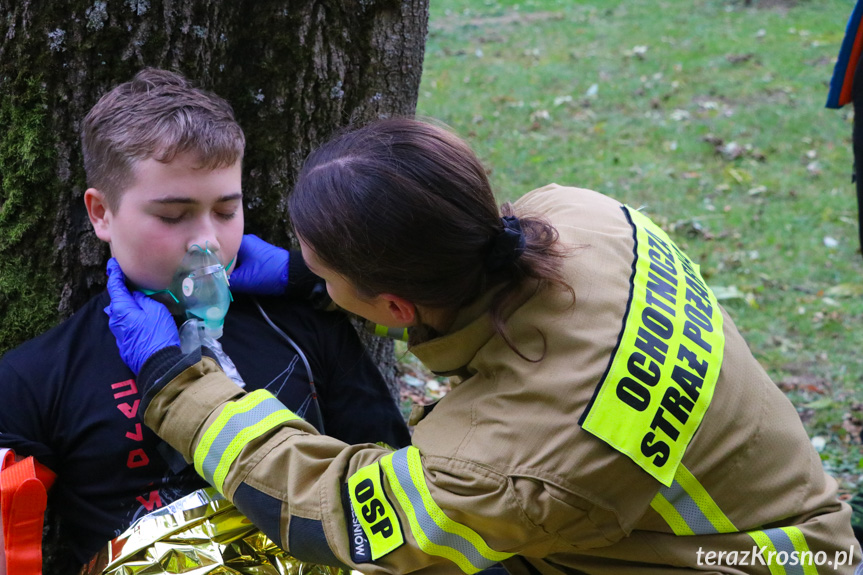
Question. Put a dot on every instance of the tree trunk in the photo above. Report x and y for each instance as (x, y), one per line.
(294, 71)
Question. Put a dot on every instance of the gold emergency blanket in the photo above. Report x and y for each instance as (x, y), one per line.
(201, 533)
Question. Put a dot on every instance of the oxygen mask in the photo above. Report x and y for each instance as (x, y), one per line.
(200, 286)
(200, 291)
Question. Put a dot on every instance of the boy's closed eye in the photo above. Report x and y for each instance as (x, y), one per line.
(171, 219)
(175, 210)
(225, 215)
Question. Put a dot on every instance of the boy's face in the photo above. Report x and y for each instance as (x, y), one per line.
(169, 208)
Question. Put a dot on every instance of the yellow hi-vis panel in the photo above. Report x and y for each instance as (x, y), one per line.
(239, 423)
(785, 546)
(661, 376)
(688, 508)
(374, 512)
(435, 533)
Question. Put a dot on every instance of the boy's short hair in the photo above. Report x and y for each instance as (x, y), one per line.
(158, 114)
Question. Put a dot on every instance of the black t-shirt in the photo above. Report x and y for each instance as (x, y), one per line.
(67, 398)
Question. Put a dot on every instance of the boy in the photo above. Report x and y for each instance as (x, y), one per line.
(163, 162)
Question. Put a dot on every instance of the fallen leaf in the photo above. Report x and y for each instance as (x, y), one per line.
(724, 293)
(845, 290)
(540, 115)
(739, 58)
(731, 151)
(822, 403)
(413, 381)
(637, 52)
(854, 426)
(713, 139)
(738, 175)
(757, 190)
(679, 115)
(819, 443)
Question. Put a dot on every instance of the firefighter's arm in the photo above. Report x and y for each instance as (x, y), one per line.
(304, 490)
(324, 501)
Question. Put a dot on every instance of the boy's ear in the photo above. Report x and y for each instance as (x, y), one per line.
(99, 212)
(403, 312)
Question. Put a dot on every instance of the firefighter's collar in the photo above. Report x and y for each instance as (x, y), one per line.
(470, 331)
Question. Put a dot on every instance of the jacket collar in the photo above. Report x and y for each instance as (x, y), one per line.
(470, 331)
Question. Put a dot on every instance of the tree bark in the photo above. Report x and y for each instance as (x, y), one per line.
(294, 70)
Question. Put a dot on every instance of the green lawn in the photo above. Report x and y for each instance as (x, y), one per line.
(708, 113)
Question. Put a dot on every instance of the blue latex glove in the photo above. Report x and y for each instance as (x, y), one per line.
(141, 326)
(262, 268)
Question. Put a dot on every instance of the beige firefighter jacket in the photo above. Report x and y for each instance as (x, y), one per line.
(502, 470)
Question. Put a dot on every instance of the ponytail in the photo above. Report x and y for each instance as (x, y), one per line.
(539, 258)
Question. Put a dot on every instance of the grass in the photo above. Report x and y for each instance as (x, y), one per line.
(711, 116)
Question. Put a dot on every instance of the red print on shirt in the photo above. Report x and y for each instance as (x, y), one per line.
(137, 457)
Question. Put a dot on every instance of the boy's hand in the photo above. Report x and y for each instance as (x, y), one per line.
(262, 268)
(141, 326)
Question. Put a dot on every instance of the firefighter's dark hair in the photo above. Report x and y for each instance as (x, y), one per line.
(405, 207)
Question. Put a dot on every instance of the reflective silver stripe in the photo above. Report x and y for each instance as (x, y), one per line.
(431, 529)
(688, 509)
(231, 429)
(782, 542)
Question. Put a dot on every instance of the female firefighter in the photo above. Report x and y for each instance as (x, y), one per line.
(607, 418)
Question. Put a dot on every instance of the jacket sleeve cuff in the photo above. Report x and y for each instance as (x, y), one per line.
(163, 366)
(157, 365)
(179, 405)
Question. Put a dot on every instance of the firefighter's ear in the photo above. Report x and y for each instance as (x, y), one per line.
(402, 312)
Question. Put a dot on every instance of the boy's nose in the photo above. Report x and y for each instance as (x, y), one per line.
(205, 241)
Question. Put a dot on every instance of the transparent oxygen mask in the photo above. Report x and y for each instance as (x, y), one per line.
(201, 288)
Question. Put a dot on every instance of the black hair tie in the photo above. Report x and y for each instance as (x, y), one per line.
(507, 246)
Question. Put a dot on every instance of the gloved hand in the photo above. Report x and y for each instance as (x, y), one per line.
(262, 268)
(141, 326)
